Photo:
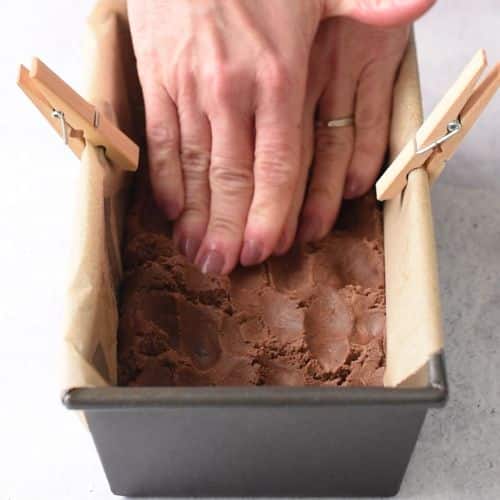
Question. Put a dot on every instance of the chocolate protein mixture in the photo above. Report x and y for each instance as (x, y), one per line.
(315, 316)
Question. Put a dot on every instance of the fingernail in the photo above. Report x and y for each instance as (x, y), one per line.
(310, 228)
(211, 262)
(351, 188)
(189, 247)
(251, 253)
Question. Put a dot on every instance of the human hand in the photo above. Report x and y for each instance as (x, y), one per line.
(224, 86)
(352, 71)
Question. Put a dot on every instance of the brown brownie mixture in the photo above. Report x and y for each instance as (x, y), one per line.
(315, 316)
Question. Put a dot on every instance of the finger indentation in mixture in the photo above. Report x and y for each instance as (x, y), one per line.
(313, 317)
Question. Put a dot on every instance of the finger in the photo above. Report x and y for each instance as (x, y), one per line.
(190, 229)
(377, 13)
(319, 73)
(372, 119)
(290, 230)
(231, 187)
(333, 151)
(162, 133)
(276, 166)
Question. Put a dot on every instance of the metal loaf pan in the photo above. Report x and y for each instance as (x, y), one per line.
(257, 441)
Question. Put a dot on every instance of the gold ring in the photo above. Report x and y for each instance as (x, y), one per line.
(337, 122)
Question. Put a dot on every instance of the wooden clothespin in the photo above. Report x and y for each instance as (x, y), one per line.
(74, 118)
(440, 135)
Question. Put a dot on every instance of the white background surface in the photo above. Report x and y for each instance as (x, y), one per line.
(44, 451)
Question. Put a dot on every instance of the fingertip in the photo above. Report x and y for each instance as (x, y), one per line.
(283, 245)
(365, 166)
(351, 188)
(252, 252)
(171, 208)
(356, 186)
(265, 226)
(189, 247)
(259, 240)
(187, 240)
(170, 202)
(217, 254)
(211, 260)
(311, 228)
(320, 210)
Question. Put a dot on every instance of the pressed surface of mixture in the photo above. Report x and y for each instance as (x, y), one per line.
(315, 316)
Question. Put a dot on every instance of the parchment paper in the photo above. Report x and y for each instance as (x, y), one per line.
(91, 318)
(413, 313)
(414, 325)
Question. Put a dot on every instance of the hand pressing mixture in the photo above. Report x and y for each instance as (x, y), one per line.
(246, 100)
(314, 316)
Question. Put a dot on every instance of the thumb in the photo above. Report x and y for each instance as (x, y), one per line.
(378, 12)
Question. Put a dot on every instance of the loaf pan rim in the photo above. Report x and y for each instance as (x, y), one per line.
(435, 394)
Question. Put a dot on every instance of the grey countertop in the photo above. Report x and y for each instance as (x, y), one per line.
(45, 451)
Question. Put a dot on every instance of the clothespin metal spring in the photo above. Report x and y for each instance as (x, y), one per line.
(64, 132)
(452, 128)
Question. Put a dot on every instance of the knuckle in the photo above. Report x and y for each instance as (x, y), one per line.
(388, 43)
(370, 151)
(277, 76)
(184, 86)
(232, 177)
(329, 141)
(196, 202)
(192, 212)
(222, 78)
(276, 174)
(161, 137)
(195, 161)
(275, 170)
(373, 144)
(222, 89)
(195, 208)
(368, 118)
(322, 195)
(223, 223)
(158, 166)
